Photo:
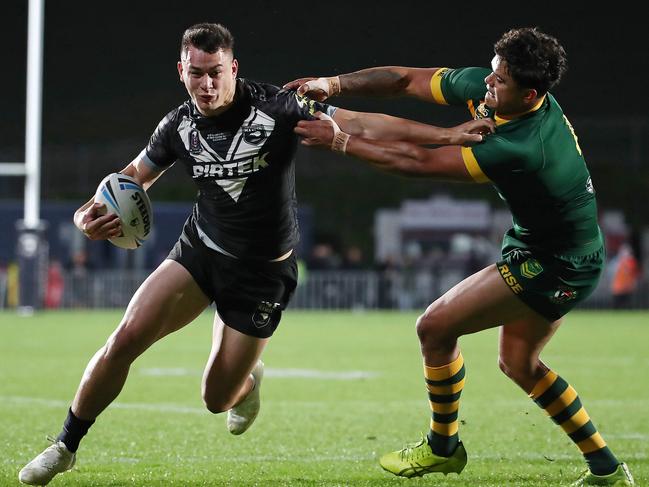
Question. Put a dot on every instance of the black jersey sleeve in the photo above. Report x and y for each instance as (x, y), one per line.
(160, 150)
(298, 107)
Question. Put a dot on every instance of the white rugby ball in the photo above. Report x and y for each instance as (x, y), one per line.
(123, 196)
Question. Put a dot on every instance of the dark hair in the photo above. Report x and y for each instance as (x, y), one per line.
(534, 59)
(207, 37)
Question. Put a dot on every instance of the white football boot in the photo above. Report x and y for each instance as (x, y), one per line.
(241, 416)
(56, 458)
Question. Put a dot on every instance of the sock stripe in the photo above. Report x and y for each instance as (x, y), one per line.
(444, 429)
(446, 389)
(553, 392)
(579, 419)
(591, 444)
(586, 431)
(567, 413)
(543, 385)
(444, 407)
(444, 371)
(445, 398)
(451, 380)
(559, 404)
(445, 418)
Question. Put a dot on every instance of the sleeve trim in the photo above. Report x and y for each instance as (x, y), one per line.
(147, 160)
(472, 166)
(436, 86)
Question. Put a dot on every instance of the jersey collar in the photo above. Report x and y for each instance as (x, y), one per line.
(503, 120)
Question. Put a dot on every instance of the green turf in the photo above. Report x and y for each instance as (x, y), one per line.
(317, 431)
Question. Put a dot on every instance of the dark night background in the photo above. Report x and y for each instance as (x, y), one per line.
(110, 76)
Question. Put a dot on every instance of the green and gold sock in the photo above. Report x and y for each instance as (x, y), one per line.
(445, 384)
(561, 403)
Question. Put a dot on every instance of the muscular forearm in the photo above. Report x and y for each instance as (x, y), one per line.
(409, 159)
(377, 126)
(383, 81)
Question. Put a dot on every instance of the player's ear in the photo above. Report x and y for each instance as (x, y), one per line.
(530, 95)
(180, 71)
(235, 68)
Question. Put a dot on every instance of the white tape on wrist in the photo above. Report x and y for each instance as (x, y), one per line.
(339, 142)
(334, 85)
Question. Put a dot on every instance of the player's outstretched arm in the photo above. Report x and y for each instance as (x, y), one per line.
(397, 157)
(377, 126)
(380, 81)
(91, 218)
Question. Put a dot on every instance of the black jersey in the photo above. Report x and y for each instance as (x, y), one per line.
(243, 164)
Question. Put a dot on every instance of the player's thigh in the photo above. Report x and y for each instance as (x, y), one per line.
(482, 300)
(165, 302)
(232, 358)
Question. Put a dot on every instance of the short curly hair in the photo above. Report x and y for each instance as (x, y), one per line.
(534, 59)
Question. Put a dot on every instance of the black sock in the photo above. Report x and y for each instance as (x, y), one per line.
(73, 430)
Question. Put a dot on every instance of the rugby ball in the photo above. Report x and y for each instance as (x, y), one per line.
(123, 196)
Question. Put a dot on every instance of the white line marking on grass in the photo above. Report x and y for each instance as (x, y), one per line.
(279, 373)
(52, 403)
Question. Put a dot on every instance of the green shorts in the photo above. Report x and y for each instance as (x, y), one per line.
(551, 284)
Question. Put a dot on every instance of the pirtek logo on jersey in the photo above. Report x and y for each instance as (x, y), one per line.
(233, 169)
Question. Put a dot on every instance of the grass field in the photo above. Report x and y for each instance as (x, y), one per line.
(341, 389)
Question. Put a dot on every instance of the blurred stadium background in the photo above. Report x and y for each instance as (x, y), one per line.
(369, 240)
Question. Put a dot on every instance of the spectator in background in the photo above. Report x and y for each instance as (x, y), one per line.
(324, 257)
(626, 274)
(353, 259)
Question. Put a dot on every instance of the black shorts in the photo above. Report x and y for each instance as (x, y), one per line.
(249, 295)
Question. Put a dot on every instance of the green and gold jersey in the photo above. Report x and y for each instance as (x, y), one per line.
(535, 163)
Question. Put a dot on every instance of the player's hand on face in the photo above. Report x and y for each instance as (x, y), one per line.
(96, 224)
(315, 88)
(315, 132)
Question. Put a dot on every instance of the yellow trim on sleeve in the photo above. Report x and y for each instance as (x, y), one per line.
(436, 86)
(469, 104)
(472, 166)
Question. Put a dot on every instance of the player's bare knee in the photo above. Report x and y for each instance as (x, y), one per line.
(432, 327)
(123, 346)
(519, 369)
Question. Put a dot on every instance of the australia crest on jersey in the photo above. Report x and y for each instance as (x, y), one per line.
(482, 111)
(263, 313)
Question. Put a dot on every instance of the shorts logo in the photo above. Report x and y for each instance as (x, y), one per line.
(563, 295)
(263, 313)
(510, 279)
(531, 268)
